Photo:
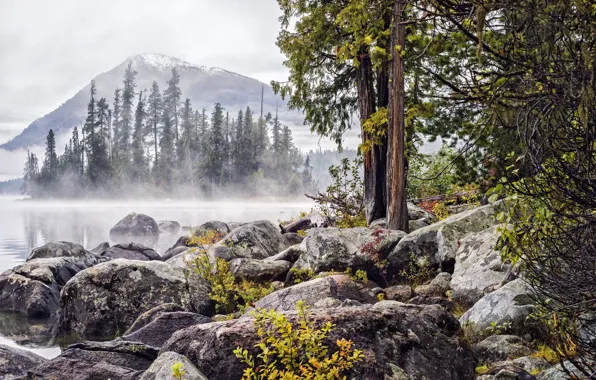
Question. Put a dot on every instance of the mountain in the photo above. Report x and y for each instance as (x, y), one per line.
(203, 85)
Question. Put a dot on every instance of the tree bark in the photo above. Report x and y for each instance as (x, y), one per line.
(397, 210)
(374, 181)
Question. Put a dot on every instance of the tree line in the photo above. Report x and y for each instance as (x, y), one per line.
(153, 142)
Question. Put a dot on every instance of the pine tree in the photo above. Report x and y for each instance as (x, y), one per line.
(237, 148)
(128, 96)
(95, 128)
(50, 164)
(214, 160)
(247, 147)
(154, 117)
(172, 97)
(166, 163)
(116, 118)
(139, 164)
(30, 174)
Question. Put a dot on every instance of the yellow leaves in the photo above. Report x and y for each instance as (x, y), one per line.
(295, 351)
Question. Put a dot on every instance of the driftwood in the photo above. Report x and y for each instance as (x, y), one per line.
(457, 198)
(313, 220)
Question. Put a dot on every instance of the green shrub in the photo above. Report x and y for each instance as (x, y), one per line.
(297, 351)
(178, 371)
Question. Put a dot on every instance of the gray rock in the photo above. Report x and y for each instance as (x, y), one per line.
(101, 248)
(161, 328)
(417, 341)
(15, 362)
(131, 251)
(103, 301)
(256, 240)
(527, 363)
(115, 360)
(507, 372)
(292, 254)
(138, 228)
(417, 224)
(58, 249)
(478, 267)
(497, 348)
(183, 259)
(401, 293)
(430, 300)
(557, 373)
(436, 288)
(169, 226)
(259, 270)
(438, 242)
(378, 223)
(293, 238)
(172, 252)
(510, 304)
(33, 288)
(216, 226)
(340, 287)
(148, 316)
(337, 249)
(161, 369)
(418, 213)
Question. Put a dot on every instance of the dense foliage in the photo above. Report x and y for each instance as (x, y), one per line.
(160, 145)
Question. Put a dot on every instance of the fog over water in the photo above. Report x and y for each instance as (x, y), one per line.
(26, 224)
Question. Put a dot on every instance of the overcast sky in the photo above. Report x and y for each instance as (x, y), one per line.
(49, 49)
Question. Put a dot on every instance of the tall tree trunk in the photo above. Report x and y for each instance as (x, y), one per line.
(373, 181)
(397, 210)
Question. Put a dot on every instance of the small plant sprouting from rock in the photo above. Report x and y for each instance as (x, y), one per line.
(358, 276)
(301, 275)
(205, 238)
(178, 371)
(297, 351)
(228, 294)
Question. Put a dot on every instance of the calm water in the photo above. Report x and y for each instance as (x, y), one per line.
(26, 224)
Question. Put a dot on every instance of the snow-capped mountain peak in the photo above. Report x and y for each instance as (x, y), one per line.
(165, 62)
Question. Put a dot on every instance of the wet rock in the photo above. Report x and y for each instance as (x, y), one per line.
(478, 267)
(138, 228)
(115, 360)
(15, 362)
(131, 251)
(161, 369)
(497, 348)
(33, 288)
(337, 249)
(28, 331)
(438, 242)
(58, 249)
(510, 304)
(169, 226)
(103, 301)
(416, 341)
(160, 329)
(256, 240)
(259, 270)
(339, 287)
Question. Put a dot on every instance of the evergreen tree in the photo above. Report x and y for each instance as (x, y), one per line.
(139, 164)
(126, 125)
(94, 128)
(49, 170)
(30, 174)
(247, 150)
(116, 118)
(214, 160)
(154, 117)
(167, 157)
(237, 163)
(172, 97)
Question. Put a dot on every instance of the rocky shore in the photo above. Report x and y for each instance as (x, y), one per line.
(437, 303)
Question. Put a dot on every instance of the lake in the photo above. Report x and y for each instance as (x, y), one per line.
(26, 224)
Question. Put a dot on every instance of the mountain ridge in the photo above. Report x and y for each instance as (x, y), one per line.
(202, 84)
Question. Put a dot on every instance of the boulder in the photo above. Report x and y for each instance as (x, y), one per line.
(24, 331)
(432, 300)
(497, 348)
(478, 267)
(148, 316)
(339, 287)
(115, 360)
(168, 226)
(101, 248)
(174, 252)
(58, 249)
(401, 293)
(161, 369)
(293, 238)
(103, 301)
(256, 240)
(529, 364)
(161, 328)
(418, 213)
(15, 362)
(507, 372)
(33, 288)
(183, 259)
(378, 223)
(510, 304)
(216, 226)
(337, 249)
(139, 228)
(259, 270)
(312, 220)
(292, 254)
(131, 251)
(417, 224)
(439, 242)
(415, 341)
(436, 288)
(557, 373)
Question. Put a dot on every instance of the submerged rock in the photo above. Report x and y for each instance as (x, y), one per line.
(103, 301)
(396, 340)
(15, 362)
(139, 228)
(114, 360)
